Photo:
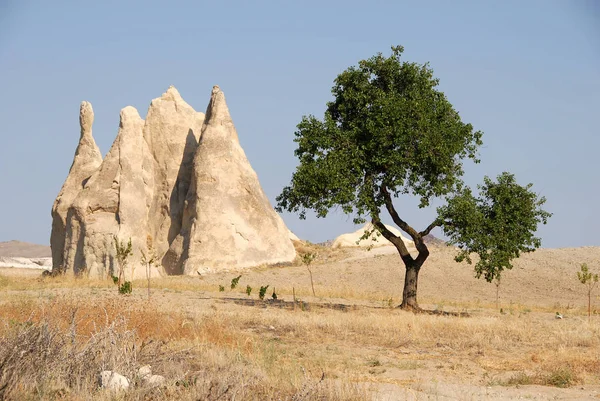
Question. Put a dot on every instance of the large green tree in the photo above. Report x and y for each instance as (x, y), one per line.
(390, 132)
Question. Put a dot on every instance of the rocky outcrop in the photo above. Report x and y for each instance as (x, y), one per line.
(172, 131)
(86, 161)
(112, 203)
(375, 240)
(179, 186)
(228, 222)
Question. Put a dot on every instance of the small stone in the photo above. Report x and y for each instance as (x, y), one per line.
(113, 381)
(144, 371)
(154, 380)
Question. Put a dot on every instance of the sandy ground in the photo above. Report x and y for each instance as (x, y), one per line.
(541, 284)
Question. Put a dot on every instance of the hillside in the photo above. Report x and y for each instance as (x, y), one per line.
(24, 250)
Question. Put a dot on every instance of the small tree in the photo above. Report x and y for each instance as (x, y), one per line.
(235, 281)
(390, 132)
(124, 251)
(590, 281)
(307, 259)
(149, 259)
(262, 292)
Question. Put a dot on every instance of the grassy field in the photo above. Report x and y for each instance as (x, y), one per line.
(348, 342)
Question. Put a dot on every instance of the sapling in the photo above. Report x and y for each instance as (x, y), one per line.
(235, 281)
(149, 258)
(221, 288)
(307, 259)
(248, 290)
(124, 251)
(125, 288)
(262, 292)
(274, 296)
(590, 280)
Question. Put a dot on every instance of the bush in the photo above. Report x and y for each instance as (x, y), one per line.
(125, 288)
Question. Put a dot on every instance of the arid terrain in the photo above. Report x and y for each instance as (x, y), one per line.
(346, 342)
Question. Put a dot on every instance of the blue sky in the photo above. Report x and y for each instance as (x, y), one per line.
(526, 73)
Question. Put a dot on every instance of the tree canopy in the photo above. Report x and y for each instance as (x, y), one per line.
(388, 132)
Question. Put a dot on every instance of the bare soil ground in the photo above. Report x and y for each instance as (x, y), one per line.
(348, 341)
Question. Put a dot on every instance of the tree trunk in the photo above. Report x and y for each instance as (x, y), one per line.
(409, 295)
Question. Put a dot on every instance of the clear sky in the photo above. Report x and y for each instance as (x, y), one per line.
(526, 73)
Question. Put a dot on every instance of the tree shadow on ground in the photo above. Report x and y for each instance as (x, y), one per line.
(308, 306)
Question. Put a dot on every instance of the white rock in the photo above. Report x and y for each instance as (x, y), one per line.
(293, 236)
(144, 371)
(229, 222)
(172, 130)
(86, 161)
(375, 240)
(178, 182)
(113, 381)
(111, 203)
(154, 380)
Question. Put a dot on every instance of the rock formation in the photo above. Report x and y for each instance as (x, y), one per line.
(179, 186)
(228, 221)
(112, 203)
(375, 240)
(172, 131)
(86, 161)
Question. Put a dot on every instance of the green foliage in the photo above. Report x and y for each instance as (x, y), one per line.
(262, 292)
(587, 277)
(221, 288)
(387, 125)
(590, 280)
(390, 131)
(248, 290)
(307, 258)
(235, 281)
(274, 295)
(124, 250)
(115, 279)
(498, 225)
(125, 288)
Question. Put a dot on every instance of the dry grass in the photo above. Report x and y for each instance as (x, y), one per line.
(55, 350)
(226, 349)
(211, 344)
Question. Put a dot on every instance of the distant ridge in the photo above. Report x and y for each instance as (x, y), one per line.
(24, 250)
(432, 240)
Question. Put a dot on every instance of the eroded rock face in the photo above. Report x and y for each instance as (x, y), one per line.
(229, 222)
(179, 186)
(112, 203)
(86, 161)
(172, 131)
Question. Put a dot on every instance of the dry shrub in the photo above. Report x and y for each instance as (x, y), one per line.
(560, 377)
(57, 349)
(43, 359)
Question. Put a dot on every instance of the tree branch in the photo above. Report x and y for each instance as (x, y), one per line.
(434, 224)
(390, 236)
(397, 220)
(417, 237)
